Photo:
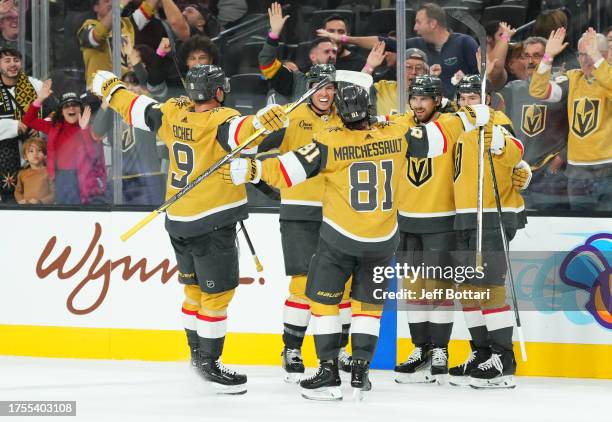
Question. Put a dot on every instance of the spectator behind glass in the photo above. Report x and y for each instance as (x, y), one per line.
(75, 160)
(285, 82)
(587, 92)
(17, 91)
(452, 51)
(95, 35)
(33, 183)
(201, 21)
(498, 38)
(163, 80)
(543, 128)
(547, 22)
(167, 17)
(143, 182)
(346, 60)
(515, 66)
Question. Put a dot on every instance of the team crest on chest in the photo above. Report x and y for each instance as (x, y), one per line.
(458, 160)
(586, 116)
(533, 119)
(420, 170)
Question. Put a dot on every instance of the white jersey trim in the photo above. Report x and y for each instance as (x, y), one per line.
(137, 112)
(436, 139)
(206, 213)
(504, 209)
(234, 128)
(589, 163)
(426, 214)
(360, 238)
(292, 169)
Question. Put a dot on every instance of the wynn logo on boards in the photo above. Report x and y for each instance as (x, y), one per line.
(98, 268)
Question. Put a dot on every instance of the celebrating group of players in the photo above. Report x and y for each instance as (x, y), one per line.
(355, 189)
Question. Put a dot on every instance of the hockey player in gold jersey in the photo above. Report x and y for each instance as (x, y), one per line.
(199, 131)
(490, 322)
(300, 220)
(359, 233)
(588, 93)
(426, 213)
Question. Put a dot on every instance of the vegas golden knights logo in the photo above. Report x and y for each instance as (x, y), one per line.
(458, 160)
(534, 119)
(586, 116)
(420, 170)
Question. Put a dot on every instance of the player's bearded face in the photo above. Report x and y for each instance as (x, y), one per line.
(423, 108)
(323, 99)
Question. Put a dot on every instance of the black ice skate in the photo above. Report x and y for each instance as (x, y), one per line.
(460, 374)
(416, 369)
(224, 380)
(439, 364)
(293, 365)
(360, 380)
(496, 372)
(325, 384)
(344, 361)
(195, 358)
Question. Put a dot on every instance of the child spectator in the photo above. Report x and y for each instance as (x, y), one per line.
(33, 183)
(75, 160)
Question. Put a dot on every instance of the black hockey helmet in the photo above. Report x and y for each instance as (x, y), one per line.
(318, 72)
(203, 80)
(426, 86)
(352, 103)
(471, 84)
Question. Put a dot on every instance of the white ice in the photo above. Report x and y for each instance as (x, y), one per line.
(153, 391)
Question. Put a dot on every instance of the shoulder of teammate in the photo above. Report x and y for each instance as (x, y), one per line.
(501, 119)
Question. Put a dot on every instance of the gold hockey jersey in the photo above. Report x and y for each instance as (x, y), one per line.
(466, 179)
(425, 196)
(304, 201)
(360, 171)
(195, 141)
(589, 111)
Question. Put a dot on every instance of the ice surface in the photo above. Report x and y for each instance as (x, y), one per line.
(154, 391)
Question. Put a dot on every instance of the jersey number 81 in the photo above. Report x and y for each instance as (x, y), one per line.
(364, 191)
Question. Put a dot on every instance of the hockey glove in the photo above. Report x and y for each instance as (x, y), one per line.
(521, 176)
(474, 116)
(271, 118)
(105, 84)
(241, 171)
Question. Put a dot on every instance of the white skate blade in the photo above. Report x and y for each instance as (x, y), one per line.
(323, 394)
(456, 381)
(229, 389)
(419, 377)
(440, 379)
(358, 394)
(293, 377)
(506, 381)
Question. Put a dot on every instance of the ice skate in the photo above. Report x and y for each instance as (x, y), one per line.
(224, 380)
(417, 368)
(325, 384)
(497, 372)
(360, 380)
(459, 376)
(439, 364)
(344, 361)
(293, 365)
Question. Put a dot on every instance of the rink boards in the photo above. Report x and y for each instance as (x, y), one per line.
(71, 288)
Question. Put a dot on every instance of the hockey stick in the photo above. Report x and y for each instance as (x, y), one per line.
(481, 34)
(519, 328)
(163, 207)
(180, 75)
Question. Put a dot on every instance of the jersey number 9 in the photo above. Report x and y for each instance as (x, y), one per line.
(364, 185)
(184, 159)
